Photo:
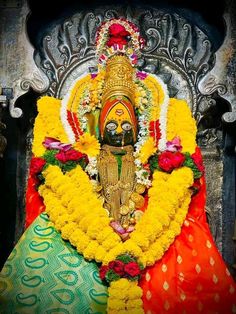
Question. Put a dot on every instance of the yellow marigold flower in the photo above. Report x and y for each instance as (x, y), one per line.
(114, 304)
(136, 311)
(67, 230)
(104, 233)
(100, 253)
(89, 252)
(88, 144)
(121, 284)
(135, 293)
(134, 304)
(147, 150)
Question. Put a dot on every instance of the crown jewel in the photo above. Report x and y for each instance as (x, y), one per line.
(119, 78)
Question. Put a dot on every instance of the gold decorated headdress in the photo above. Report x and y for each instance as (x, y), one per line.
(118, 78)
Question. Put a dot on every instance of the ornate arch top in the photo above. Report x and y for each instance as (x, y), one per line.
(179, 52)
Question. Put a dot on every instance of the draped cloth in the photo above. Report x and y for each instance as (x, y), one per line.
(45, 274)
(191, 277)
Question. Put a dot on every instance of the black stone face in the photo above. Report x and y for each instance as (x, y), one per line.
(113, 138)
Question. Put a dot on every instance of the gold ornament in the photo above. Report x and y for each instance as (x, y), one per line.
(131, 205)
(125, 226)
(124, 210)
(132, 221)
(137, 199)
(118, 79)
(140, 188)
(138, 215)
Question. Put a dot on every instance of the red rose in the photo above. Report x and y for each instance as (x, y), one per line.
(118, 35)
(121, 41)
(69, 155)
(36, 165)
(178, 159)
(118, 30)
(102, 272)
(197, 158)
(168, 161)
(132, 269)
(118, 267)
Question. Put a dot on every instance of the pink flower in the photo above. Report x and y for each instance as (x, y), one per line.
(174, 145)
(53, 143)
(141, 75)
(117, 227)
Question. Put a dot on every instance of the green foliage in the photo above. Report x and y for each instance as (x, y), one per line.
(153, 162)
(111, 276)
(50, 158)
(190, 163)
(125, 258)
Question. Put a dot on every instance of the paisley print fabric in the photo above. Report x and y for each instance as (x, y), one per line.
(44, 274)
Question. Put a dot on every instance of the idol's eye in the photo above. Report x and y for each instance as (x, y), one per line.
(111, 126)
(126, 126)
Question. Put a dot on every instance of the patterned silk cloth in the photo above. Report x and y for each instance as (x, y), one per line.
(191, 277)
(45, 274)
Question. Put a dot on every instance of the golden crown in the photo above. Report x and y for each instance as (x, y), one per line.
(119, 78)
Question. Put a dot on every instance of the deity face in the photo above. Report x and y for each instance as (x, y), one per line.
(119, 127)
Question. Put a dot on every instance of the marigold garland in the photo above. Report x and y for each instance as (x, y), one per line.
(182, 124)
(125, 297)
(88, 227)
(154, 233)
(92, 216)
(47, 123)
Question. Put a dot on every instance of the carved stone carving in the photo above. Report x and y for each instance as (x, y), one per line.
(3, 141)
(19, 73)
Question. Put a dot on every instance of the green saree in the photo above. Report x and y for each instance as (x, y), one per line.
(44, 274)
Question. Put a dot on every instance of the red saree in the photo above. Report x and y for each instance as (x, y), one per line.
(191, 277)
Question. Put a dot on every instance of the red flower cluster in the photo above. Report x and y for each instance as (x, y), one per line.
(118, 35)
(36, 165)
(168, 161)
(72, 154)
(154, 131)
(121, 269)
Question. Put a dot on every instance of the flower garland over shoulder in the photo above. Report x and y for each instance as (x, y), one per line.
(165, 166)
